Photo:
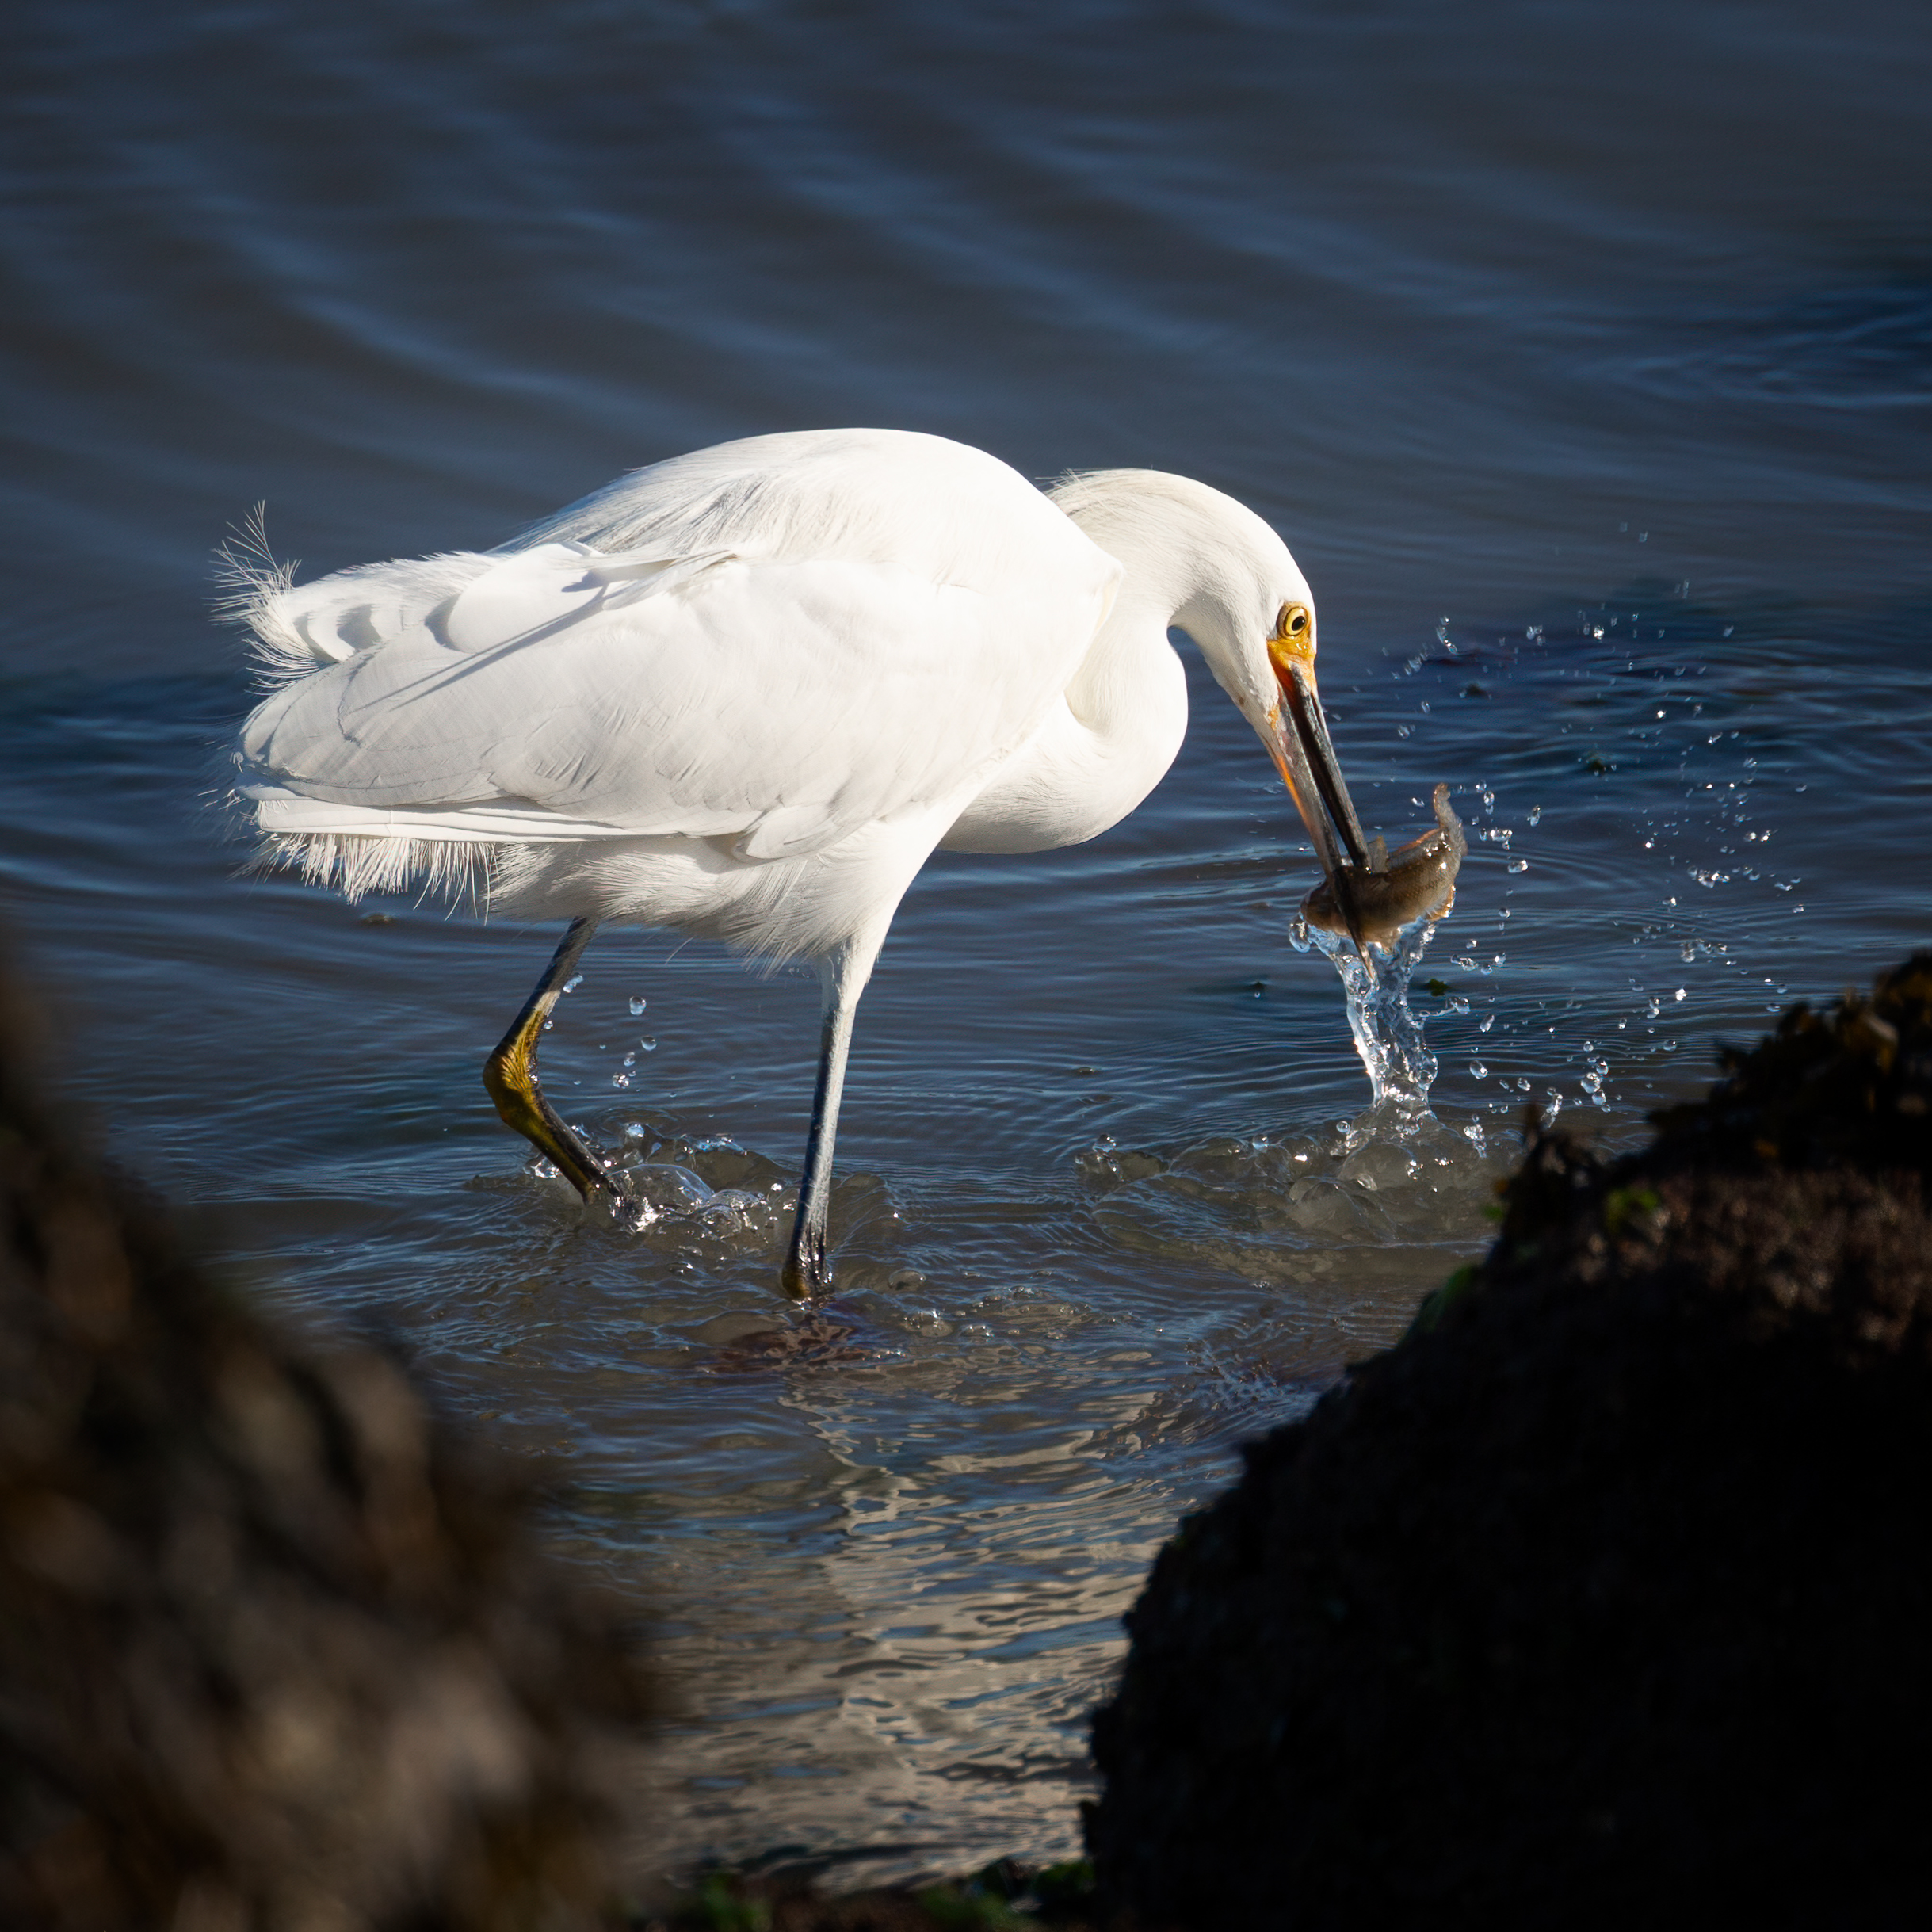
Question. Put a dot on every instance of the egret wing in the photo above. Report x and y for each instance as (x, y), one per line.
(780, 703)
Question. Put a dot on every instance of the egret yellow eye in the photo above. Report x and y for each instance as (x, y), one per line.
(1292, 626)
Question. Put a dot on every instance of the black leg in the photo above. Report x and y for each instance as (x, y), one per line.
(805, 1275)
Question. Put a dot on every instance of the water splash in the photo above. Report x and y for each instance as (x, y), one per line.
(1389, 1037)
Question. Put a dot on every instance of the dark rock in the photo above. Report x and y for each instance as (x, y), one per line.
(1603, 1599)
(274, 1651)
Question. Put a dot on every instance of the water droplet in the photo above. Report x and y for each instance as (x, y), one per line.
(621, 1080)
(650, 1046)
(1489, 1020)
(1535, 814)
(1519, 865)
(1680, 992)
(638, 1003)
(1458, 1002)
(634, 1130)
(630, 1059)
(571, 984)
(1479, 1069)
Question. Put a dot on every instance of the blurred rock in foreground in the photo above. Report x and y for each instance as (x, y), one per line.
(273, 1655)
(1606, 1598)
(1003, 1897)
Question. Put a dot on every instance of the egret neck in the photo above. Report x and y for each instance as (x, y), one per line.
(1196, 560)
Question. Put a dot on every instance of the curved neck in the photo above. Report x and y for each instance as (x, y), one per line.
(1191, 557)
(1168, 559)
(1130, 681)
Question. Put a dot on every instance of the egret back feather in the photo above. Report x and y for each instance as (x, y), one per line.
(732, 660)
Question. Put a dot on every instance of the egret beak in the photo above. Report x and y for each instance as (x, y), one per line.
(1305, 756)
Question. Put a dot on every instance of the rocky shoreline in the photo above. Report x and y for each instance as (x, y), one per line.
(1599, 1601)
(1605, 1587)
(1608, 1585)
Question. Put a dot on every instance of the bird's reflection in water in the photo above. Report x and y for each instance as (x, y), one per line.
(818, 1337)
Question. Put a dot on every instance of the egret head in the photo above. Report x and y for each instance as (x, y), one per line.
(1297, 733)
(1207, 565)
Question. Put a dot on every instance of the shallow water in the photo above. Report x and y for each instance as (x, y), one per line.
(1535, 316)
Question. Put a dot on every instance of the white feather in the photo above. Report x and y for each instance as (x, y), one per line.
(723, 693)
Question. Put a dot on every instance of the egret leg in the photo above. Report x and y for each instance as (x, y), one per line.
(510, 1075)
(806, 1275)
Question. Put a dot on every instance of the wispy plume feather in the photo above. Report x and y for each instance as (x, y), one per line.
(251, 582)
(459, 873)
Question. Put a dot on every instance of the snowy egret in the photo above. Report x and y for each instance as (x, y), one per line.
(747, 691)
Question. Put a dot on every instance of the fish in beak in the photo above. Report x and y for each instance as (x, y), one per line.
(1365, 891)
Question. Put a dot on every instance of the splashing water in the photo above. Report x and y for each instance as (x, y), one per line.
(1373, 923)
(1387, 1035)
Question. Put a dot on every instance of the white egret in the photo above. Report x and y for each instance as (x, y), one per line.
(747, 691)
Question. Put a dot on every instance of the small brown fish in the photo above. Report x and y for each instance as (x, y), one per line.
(1414, 881)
